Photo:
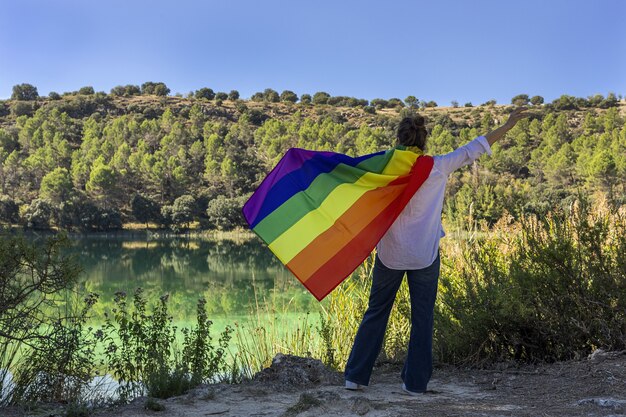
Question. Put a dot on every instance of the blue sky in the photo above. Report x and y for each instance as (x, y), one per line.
(439, 50)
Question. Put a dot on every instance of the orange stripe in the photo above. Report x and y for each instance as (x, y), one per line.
(350, 224)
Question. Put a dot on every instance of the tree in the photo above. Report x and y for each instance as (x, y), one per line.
(233, 95)
(455, 103)
(158, 89)
(306, 99)
(431, 103)
(520, 100)
(320, 97)
(221, 96)
(468, 104)
(395, 102)
(288, 96)
(53, 95)
(9, 210)
(37, 215)
(411, 101)
(258, 96)
(24, 92)
(271, 96)
(225, 213)
(56, 186)
(536, 100)
(181, 213)
(379, 103)
(126, 90)
(145, 210)
(205, 93)
(87, 90)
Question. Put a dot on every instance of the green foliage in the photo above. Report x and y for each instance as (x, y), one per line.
(548, 288)
(24, 92)
(288, 96)
(306, 99)
(126, 90)
(233, 95)
(37, 215)
(140, 349)
(321, 97)
(271, 96)
(536, 100)
(87, 90)
(411, 101)
(181, 213)
(157, 89)
(145, 210)
(42, 338)
(225, 213)
(56, 186)
(22, 108)
(205, 93)
(520, 100)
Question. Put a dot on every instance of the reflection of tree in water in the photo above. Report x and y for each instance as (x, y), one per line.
(232, 276)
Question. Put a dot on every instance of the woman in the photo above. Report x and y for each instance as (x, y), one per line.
(411, 246)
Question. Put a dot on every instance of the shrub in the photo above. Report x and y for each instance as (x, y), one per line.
(549, 288)
(24, 92)
(225, 213)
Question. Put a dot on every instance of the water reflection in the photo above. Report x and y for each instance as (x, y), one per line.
(233, 276)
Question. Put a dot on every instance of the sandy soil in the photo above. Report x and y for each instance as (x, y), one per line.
(302, 387)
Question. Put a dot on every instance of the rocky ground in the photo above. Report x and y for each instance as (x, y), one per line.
(295, 386)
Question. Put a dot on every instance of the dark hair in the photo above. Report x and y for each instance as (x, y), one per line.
(412, 132)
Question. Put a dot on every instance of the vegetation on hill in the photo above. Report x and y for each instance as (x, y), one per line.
(92, 161)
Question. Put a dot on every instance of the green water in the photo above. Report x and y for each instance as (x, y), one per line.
(237, 278)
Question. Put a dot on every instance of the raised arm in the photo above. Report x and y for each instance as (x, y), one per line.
(515, 116)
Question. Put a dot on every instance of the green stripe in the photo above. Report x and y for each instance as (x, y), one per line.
(292, 210)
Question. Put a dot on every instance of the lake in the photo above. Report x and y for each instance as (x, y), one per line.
(236, 277)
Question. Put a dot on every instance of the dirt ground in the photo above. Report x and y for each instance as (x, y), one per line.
(293, 386)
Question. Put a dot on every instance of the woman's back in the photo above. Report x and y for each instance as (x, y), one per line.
(412, 242)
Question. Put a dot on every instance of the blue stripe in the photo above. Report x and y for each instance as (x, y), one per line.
(300, 180)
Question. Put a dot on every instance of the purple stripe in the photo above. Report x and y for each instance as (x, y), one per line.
(286, 165)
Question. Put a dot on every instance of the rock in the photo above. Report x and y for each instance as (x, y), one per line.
(361, 406)
(289, 372)
(604, 403)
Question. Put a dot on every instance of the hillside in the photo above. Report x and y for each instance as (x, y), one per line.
(96, 161)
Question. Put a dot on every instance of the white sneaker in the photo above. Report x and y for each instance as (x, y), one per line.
(353, 386)
(413, 393)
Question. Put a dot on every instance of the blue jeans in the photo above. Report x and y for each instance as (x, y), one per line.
(369, 338)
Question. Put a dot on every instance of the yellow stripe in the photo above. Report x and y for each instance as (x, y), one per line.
(302, 233)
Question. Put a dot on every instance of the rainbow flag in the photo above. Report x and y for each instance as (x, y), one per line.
(322, 213)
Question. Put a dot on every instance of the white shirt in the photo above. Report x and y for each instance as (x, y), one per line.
(412, 241)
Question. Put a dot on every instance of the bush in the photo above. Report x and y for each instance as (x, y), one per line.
(549, 288)
(9, 210)
(225, 213)
(24, 92)
(205, 93)
(141, 345)
(39, 321)
(22, 108)
(37, 215)
(88, 90)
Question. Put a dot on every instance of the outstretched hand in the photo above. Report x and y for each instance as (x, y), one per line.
(516, 115)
